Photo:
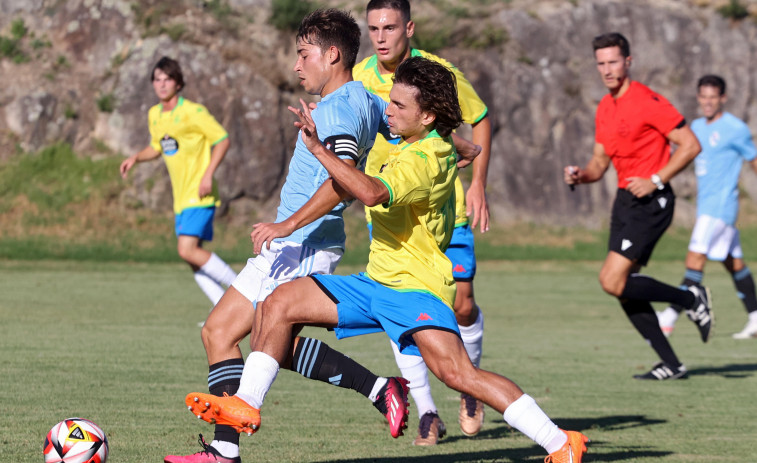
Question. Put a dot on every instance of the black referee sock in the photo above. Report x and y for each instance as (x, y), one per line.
(644, 319)
(643, 288)
(315, 360)
(745, 286)
(224, 377)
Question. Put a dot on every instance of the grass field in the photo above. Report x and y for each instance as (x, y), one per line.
(118, 343)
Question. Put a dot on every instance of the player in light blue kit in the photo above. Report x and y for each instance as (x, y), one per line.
(726, 144)
(308, 236)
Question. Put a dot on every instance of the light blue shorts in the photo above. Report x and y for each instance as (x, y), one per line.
(462, 254)
(366, 306)
(196, 221)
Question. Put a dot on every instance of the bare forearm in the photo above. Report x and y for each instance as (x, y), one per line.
(326, 198)
(369, 190)
(482, 136)
(688, 148)
(217, 154)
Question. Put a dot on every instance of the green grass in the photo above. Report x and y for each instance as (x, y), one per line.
(118, 343)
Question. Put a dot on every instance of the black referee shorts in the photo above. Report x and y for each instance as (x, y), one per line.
(638, 223)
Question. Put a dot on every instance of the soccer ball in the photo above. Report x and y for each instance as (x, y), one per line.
(76, 440)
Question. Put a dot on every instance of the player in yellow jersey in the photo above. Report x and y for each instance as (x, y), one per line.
(192, 144)
(390, 29)
(407, 290)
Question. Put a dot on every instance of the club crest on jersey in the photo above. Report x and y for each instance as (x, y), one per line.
(169, 145)
(714, 139)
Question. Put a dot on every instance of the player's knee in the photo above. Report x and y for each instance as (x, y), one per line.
(276, 307)
(610, 285)
(215, 337)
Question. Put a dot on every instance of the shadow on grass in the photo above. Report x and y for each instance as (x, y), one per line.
(501, 430)
(727, 371)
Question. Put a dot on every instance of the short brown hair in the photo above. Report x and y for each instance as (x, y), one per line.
(612, 39)
(172, 69)
(331, 27)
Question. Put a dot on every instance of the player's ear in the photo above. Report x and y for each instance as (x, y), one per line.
(333, 54)
(409, 29)
(427, 118)
(628, 61)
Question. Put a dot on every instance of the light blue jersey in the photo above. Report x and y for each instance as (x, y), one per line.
(726, 144)
(347, 121)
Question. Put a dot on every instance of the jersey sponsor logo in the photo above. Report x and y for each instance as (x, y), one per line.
(169, 145)
(394, 139)
(458, 268)
(663, 202)
(625, 244)
(423, 317)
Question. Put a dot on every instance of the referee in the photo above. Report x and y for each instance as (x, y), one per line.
(634, 129)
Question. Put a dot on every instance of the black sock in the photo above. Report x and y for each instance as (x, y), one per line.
(224, 377)
(690, 278)
(643, 288)
(315, 360)
(745, 286)
(644, 319)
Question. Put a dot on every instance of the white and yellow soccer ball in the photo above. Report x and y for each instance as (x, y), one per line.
(76, 440)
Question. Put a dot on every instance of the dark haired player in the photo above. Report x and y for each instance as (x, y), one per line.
(634, 129)
(726, 144)
(390, 29)
(308, 236)
(193, 144)
(407, 289)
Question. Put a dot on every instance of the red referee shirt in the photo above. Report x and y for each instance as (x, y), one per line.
(633, 131)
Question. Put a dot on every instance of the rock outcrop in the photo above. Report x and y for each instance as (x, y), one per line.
(84, 79)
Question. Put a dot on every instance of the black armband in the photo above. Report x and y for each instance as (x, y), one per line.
(343, 145)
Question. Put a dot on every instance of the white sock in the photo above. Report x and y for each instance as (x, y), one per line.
(209, 286)
(380, 381)
(219, 270)
(473, 338)
(414, 369)
(752, 317)
(526, 416)
(259, 373)
(668, 316)
(227, 449)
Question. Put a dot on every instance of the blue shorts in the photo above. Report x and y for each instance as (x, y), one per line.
(196, 221)
(366, 306)
(462, 255)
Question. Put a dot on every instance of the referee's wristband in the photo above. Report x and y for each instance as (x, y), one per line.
(657, 181)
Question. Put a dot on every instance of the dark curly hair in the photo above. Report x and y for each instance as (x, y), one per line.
(331, 27)
(437, 91)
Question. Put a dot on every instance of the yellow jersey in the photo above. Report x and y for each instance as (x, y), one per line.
(184, 136)
(412, 228)
(473, 109)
